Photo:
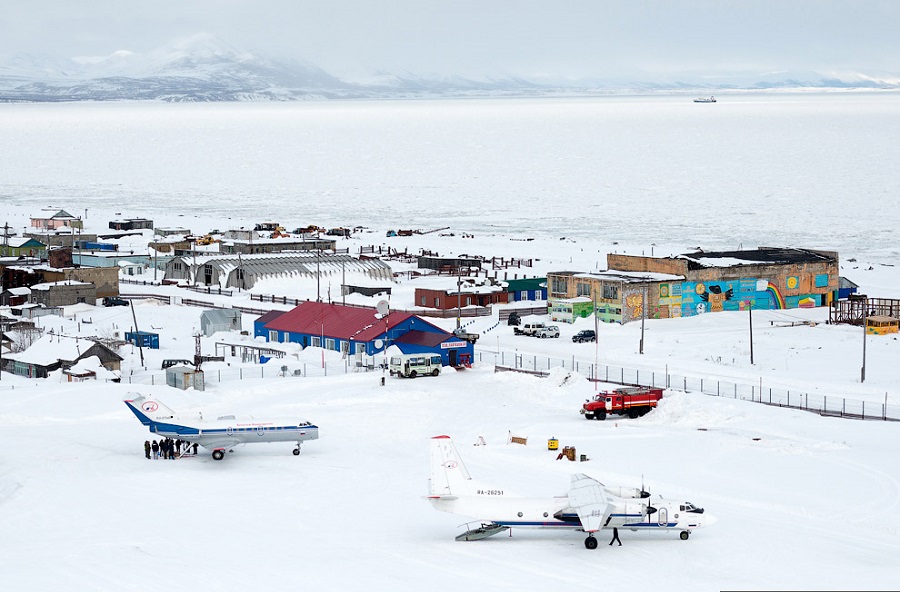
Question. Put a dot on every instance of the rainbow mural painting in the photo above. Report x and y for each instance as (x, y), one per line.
(773, 291)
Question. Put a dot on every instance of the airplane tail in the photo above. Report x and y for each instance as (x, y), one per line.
(449, 477)
(149, 411)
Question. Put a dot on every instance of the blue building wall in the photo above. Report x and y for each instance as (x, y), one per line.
(371, 349)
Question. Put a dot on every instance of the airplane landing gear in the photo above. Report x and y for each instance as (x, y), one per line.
(590, 542)
(684, 535)
(297, 450)
(218, 454)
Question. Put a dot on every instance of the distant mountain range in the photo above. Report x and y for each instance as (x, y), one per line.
(208, 71)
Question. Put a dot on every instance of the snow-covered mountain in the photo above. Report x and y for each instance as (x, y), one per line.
(204, 69)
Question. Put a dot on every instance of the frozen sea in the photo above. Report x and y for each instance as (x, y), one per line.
(813, 170)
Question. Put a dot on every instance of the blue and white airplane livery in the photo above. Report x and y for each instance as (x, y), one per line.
(219, 434)
(589, 505)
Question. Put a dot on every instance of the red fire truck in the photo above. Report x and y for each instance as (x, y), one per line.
(631, 400)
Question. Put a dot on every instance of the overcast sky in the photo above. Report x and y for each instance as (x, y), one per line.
(558, 38)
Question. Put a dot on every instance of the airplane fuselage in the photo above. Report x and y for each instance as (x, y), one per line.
(556, 512)
(240, 431)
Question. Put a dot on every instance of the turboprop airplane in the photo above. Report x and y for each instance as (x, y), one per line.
(221, 433)
(589, 505)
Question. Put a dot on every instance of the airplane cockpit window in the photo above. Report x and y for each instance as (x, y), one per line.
(689, 507)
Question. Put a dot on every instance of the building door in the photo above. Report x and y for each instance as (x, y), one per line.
(453, 361)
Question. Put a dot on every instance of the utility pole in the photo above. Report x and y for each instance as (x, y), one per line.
(862, 374)
(643, 315)
(751, 333)
(458, 294)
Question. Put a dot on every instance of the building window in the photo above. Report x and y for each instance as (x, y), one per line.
(468, 301)
(329, 344)
(610, 292)
(422, 301)
(360, 348)
(316, 342)
(559, 285)
(437, 302)
(523, 295)
(273, 335)
(345, 347)
(583, 289)
(822, 280)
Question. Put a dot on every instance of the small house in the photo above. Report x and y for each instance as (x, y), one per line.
(185, 377)
(220, 319)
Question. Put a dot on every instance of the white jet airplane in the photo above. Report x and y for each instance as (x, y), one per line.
(589, 505)
(221, 433)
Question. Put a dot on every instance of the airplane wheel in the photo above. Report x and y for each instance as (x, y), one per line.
(296, 452)
(590, 543)
(684, 535)
(218, 454)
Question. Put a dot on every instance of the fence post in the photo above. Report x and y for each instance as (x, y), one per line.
(240, 373)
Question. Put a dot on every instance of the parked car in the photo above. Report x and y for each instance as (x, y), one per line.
(114, 301)
(513, 319)
(584, 335)
(548, 331)
(530, 329)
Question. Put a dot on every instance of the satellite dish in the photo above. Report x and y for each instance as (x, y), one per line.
(379, 343)
(382, 307)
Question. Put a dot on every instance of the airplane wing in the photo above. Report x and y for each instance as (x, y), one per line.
(211, 443)
(587, 498)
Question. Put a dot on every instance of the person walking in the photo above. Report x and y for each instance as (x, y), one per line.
(147, 448)
(155, 448)
(615, 537)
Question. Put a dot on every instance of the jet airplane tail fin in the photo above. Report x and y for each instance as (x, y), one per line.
(148, 410)
(449, 477)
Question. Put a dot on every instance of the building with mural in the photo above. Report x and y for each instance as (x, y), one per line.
(617, 296)
(701, 282)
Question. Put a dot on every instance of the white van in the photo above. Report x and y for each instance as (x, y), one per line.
(412, 365)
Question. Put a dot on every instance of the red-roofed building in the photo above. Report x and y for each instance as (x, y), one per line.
(357, 330)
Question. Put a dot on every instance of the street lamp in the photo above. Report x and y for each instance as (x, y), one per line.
(322, 341)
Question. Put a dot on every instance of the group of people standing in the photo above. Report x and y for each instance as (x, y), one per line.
(168, 448)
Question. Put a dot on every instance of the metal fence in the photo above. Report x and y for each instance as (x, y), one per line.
(831, 405)
(274, 369)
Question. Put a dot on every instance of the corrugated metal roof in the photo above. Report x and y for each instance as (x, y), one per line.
(335, 320)
(423, 338)
(220, 316)
(270, 316)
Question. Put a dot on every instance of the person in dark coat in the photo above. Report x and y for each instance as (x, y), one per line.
(195, 449)
(155, 448)
(615, 536)
(147, 448)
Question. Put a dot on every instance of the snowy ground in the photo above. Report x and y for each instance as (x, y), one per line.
(802, 501)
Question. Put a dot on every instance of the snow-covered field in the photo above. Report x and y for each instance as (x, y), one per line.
(801, 501)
